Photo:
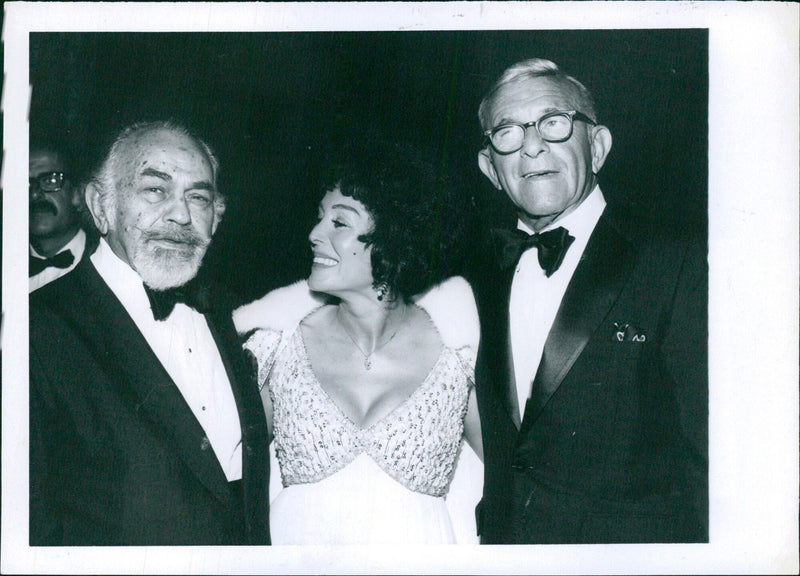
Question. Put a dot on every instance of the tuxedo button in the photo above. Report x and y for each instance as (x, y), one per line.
(204, 443)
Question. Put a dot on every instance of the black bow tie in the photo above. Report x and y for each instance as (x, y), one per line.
(162, 302)
(552, 247)
(61, 260)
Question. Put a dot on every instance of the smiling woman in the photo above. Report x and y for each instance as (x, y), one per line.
(404, 207)
(370, 395)
(341, 259)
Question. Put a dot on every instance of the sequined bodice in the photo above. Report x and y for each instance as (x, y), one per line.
(417, 443)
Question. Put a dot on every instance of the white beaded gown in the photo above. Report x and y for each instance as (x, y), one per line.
(383, 484)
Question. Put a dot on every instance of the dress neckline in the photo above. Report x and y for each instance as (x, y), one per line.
(425, 383)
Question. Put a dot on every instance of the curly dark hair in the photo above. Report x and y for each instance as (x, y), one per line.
(420, 219)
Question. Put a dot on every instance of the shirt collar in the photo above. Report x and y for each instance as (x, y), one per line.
(123, 280)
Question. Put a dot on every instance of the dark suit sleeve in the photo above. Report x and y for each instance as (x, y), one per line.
(685, 348)
(45, 526)
(685, 358)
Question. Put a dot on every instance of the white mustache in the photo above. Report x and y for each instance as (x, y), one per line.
(188, 237)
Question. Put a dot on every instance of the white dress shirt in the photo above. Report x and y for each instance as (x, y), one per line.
(184, 345)
(77, 245)
(535, 298)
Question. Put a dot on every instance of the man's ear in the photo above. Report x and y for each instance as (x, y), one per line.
(94, 201)
(220, 205)
(601, 146)
(76, 198)
(486, 166)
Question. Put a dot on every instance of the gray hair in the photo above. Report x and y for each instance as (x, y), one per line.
(537, 68)
(104, 178)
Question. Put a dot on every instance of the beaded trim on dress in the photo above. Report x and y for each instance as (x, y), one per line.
(417, 444)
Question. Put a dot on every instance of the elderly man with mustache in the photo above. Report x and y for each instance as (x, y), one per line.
(57, 240)
(146, 423)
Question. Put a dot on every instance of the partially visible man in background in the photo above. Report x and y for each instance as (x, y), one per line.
(57, 239)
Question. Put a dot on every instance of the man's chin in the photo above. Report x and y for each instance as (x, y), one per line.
(165, 281)
(164, 271)
(42, 223)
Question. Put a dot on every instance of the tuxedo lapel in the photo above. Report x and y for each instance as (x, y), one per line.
(255, 443)
(603, 271)
(495, 338)
(224, 347)
(153, 393)
(505, 367)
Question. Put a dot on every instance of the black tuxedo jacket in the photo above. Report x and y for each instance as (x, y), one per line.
(612, 446)
(116, 455)
(92, 241)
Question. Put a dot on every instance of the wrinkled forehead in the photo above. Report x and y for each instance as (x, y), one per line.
(533, 92)
(44, 161)
(163, 150)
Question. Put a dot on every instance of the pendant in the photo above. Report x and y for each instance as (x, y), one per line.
(367, 363)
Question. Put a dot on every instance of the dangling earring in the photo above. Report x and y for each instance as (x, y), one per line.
(382, 289)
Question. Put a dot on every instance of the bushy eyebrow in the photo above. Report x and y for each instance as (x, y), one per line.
(505, 120)
(200, 185)
(156, 173)
(203, 185)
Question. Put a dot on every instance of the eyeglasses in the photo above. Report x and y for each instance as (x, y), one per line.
(48, 181)
(552, 127)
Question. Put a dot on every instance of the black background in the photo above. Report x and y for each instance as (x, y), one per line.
(270, 103)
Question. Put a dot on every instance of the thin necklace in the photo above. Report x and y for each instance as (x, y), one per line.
(368, 357)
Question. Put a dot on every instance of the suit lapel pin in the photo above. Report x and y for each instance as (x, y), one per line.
(624, 332)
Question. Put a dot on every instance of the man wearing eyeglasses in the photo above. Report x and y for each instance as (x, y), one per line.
(57, 241)
(592, 372)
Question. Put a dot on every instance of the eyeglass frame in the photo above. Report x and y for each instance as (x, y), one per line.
(44, 176)
(571, 114)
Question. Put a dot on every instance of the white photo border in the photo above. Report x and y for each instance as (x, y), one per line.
(753, 309)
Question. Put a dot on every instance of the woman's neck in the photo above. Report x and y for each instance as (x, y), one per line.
(371, 324)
